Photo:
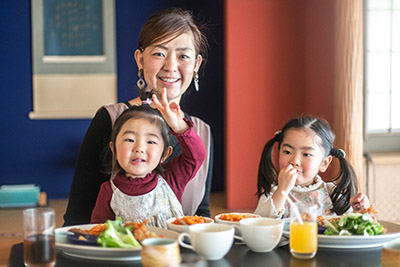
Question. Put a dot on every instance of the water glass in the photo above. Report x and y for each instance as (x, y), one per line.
(39, 241)
(303, 240)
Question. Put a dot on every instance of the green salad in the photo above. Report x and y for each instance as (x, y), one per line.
(353, 224)
(117, 235)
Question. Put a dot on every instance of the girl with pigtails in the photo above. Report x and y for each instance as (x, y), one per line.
(305, 146)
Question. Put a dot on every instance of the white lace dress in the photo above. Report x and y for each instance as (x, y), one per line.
(158, 205)
(317, 193)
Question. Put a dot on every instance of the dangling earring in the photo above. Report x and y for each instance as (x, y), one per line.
(140, 83)
(196, 80)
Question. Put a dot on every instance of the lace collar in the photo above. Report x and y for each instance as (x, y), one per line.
(315, 185)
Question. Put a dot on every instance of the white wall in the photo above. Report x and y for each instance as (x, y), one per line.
(383, 182)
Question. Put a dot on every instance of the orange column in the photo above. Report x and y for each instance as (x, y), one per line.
(265, 79)
(349, 80)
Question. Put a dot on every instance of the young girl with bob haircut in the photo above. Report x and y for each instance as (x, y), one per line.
(306, 149)
(143, 187)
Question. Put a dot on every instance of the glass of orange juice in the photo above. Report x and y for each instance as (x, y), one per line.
(303, 241)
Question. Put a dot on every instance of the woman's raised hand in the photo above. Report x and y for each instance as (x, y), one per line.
(171, 113)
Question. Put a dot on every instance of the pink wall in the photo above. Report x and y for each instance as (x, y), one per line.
(279, 64)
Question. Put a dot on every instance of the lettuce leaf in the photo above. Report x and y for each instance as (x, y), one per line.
(117, 235)
(353, 224)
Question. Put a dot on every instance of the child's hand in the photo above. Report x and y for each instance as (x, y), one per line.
(171, 113)
(287, 178)
(359, 202)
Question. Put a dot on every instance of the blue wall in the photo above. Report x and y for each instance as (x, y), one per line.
(43, 152)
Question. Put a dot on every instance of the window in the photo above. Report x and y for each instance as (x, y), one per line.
(382, 75)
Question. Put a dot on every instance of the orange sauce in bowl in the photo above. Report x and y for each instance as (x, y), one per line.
(190, 220)
(234, 217)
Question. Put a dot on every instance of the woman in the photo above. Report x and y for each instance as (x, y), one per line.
(170, 52)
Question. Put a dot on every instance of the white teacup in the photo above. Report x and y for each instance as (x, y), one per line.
(211, 241)
(160, 252)
(260, 234)
(391, 253)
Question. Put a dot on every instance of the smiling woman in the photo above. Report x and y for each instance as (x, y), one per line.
(171, 49)
(170, 65)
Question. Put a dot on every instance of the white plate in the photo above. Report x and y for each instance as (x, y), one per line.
(218, 220)
(105, 254)
(183, 228)
(355, 241)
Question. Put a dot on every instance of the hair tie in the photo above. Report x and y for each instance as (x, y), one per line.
(338, 153)
(148, 101)
(277, 135)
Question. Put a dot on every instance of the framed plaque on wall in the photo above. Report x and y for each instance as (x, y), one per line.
(73, 57)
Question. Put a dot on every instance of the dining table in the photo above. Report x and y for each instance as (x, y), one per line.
(240, 255)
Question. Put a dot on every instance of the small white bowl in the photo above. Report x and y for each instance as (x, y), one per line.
(261, 234)
(184, 228)
(250, 215)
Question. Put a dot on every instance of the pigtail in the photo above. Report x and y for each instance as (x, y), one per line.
(347, 186)
(266, 169)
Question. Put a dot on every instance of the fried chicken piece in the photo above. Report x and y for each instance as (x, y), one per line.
(141, 235)
(137, 225)
(371, 209)
(77, 231)
(140, 231)
(95, 230)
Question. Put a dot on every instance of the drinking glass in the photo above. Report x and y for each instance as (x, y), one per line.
(39, 242)
(303, 240)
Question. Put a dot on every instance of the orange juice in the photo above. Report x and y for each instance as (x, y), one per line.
(303, 239)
